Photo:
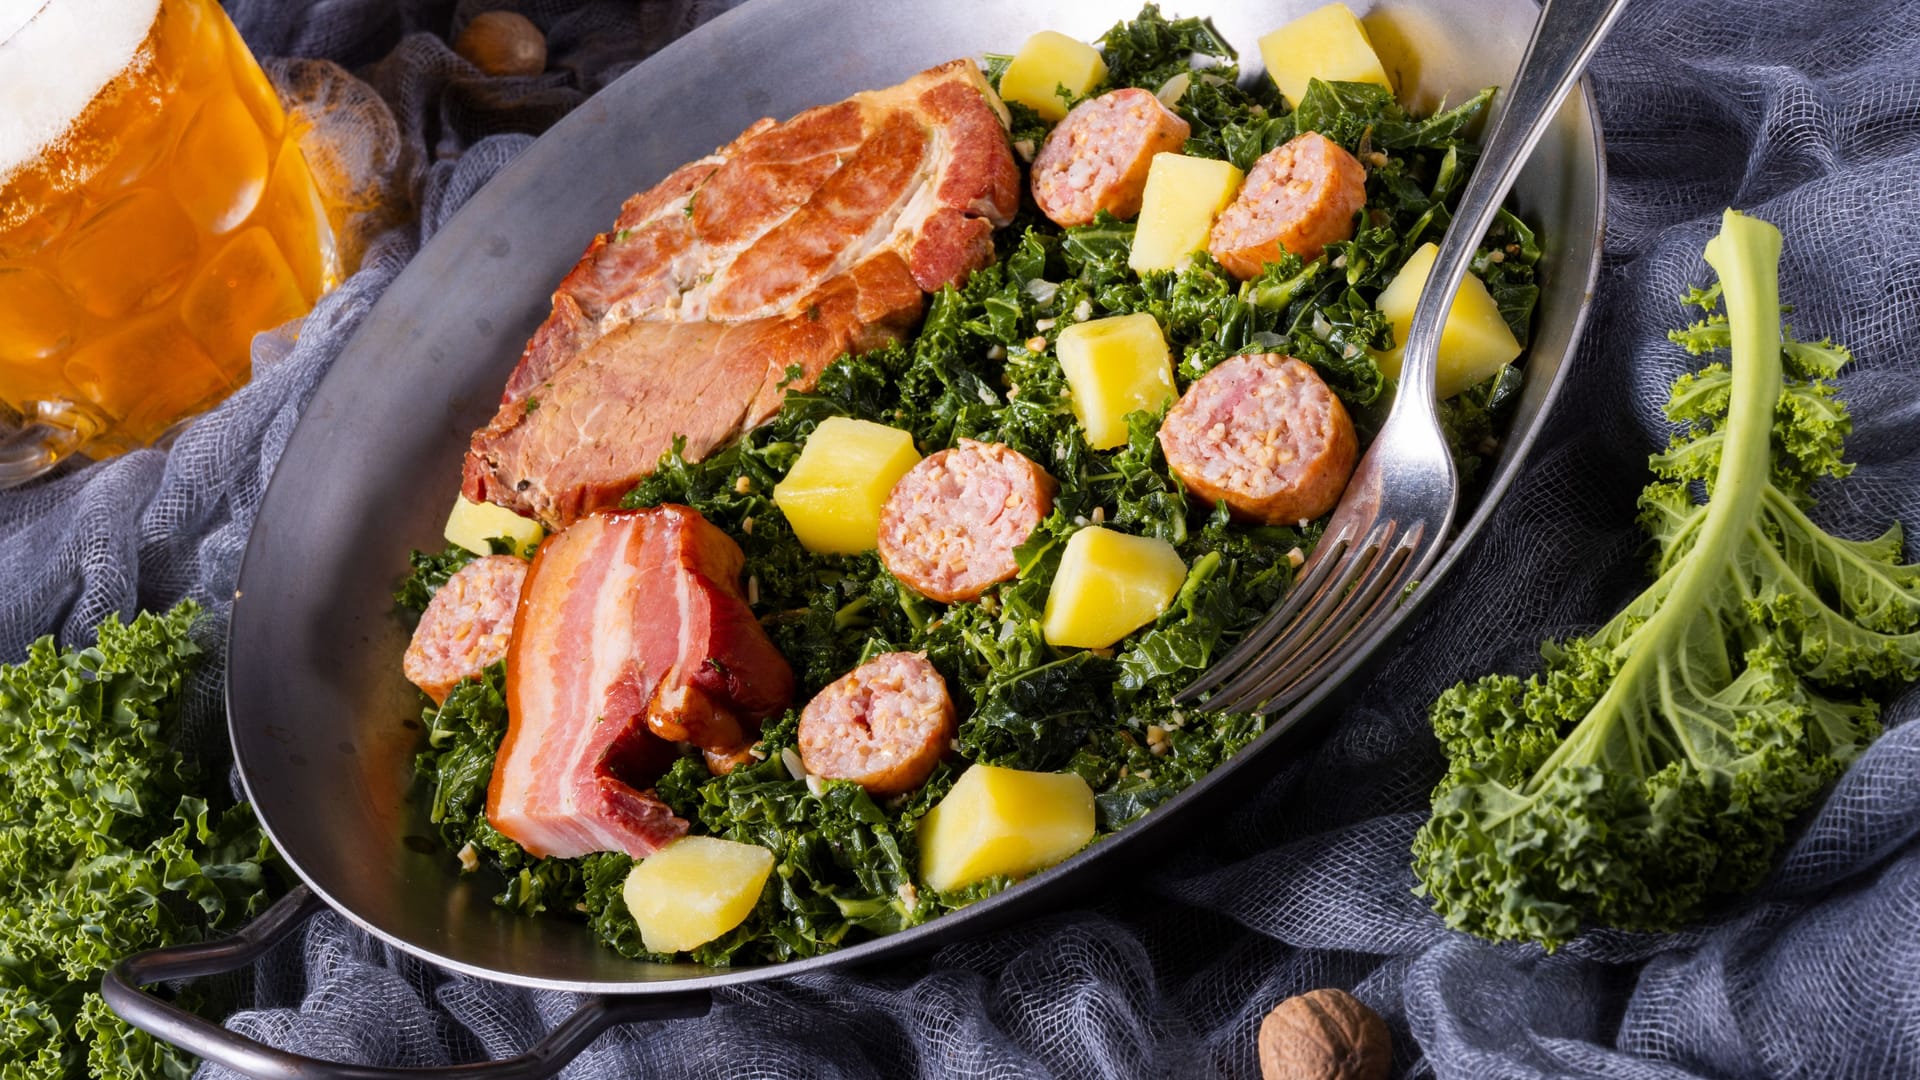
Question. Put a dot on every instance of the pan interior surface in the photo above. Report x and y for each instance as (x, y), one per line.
(325, 727)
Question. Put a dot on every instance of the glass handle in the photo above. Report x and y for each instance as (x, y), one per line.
(29, 447)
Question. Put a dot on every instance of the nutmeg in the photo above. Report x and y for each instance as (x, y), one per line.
(503, 43)
(1324, 1035)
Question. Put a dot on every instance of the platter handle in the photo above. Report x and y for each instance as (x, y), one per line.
(197, 1035)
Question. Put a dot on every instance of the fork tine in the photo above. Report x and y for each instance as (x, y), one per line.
(1291, 680)
(1346, 572)
(1319, 571)
(1408, 473)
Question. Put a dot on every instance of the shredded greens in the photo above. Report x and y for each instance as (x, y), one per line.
(106, 848)
(1656, 763)
(982, 366)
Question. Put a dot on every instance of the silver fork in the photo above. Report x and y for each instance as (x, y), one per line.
(1397, 510)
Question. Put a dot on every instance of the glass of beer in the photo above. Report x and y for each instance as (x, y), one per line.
(155, 213)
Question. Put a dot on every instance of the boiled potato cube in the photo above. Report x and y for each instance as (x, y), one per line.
(1003, 821)
(1109, 584)
(1114, 366)
(695, 889)
(1475, 343)
(472, 524)
(833, 494)
(1183, 196)
(1326, 43)
(1047, 62)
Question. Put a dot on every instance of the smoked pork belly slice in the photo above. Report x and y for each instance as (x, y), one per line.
(632, 634)
(793, 244)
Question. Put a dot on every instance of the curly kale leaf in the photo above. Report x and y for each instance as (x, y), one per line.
(427, 571)
(1293, 307)
(1037, 718)
(462, 734)
(1150, 48)
(1158, 754)
(1474, 418)
(1810, 424)
(1505, 264)
(1182, 642)
(106, 846)
(1656, 764)
(841, 864)
(1148, 499)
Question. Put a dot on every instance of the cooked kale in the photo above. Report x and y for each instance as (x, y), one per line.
(427, 571)
(982, 366)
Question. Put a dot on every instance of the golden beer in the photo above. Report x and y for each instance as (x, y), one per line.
(154, 216)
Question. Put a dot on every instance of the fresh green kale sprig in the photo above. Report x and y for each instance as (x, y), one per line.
(1657, 763)
(110, 844)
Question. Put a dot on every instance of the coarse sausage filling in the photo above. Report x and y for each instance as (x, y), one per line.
(1097, 157)
(884, 725)
(466, 626)
(951, 524)
(1299, 197)
(1264, 434)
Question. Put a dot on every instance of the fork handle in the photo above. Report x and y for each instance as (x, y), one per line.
(1564, 39)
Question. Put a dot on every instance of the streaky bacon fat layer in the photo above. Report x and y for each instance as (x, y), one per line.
(631, 633)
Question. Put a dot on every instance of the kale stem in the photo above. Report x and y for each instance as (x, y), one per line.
(1746, 255)
(850, 611)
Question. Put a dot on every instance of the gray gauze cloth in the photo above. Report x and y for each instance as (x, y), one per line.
(1807, 117)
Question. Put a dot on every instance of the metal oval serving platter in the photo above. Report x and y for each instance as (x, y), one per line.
(317, 706)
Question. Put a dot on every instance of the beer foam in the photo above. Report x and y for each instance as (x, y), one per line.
(58, 56)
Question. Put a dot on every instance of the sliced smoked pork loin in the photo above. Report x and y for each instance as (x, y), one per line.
(792, 244)
(631, 635)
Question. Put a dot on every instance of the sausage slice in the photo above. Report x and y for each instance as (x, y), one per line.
(883, 725)
(949, 527)
(1264, 434)
(1298, 197)
(1096, 158)
(466, 626)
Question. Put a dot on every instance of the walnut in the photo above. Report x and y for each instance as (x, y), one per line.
(1324, 1035)
(503, 43)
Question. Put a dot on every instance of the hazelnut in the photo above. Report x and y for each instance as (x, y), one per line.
(503, 43)
(1324, 1035)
